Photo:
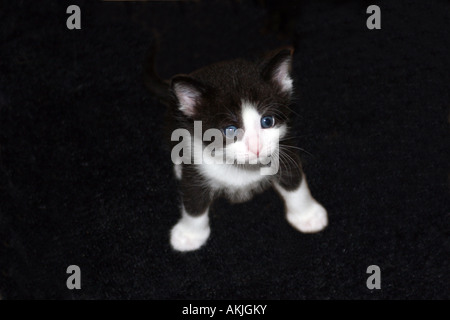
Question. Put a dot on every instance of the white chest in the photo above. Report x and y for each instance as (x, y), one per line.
(237, 184)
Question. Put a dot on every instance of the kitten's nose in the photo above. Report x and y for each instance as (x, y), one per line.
(252, 143)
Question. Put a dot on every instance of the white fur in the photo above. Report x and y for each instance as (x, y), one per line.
(190, 233)
(303, 211)
(228, 175)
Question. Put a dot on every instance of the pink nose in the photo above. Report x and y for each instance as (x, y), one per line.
(253, 144)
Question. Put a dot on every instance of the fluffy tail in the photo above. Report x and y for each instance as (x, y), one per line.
(158, 87)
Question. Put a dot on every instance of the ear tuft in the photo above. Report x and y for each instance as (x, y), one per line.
(188, 92)
(278, 69)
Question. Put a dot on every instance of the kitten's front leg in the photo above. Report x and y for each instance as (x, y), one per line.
(303, 212)
(192, 230)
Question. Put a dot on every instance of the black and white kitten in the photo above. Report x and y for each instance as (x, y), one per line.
(252, 98)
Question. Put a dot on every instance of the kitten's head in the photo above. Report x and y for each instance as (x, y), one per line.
(247, 101)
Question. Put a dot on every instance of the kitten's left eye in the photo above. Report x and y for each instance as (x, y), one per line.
(267, 122)
(230, 131)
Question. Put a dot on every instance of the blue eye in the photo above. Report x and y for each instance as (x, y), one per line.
(267, 122)
(230, 131)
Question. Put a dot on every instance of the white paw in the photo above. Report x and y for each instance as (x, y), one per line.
(313, 219)
(184, 237)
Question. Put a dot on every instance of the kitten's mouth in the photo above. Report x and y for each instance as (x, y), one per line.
(265, 157)
(253, 159)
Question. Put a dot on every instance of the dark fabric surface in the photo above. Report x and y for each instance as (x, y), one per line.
(86, 178)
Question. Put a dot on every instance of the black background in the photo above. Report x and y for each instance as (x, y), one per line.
(86, 176)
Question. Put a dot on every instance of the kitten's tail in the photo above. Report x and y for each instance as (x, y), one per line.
(158, 87)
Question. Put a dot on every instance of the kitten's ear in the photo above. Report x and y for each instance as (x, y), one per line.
(277, 69)
(188, 92)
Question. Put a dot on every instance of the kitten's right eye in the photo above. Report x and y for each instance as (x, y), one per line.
(230, 131)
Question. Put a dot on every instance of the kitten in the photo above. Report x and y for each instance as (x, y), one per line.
(249, 103)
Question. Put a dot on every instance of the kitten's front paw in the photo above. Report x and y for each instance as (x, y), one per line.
(314, 219)
(184, 237)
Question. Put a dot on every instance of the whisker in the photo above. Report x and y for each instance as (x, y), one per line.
(295, 165)
(297, 148)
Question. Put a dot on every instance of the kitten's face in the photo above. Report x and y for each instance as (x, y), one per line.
(258, 137)
(248, 102)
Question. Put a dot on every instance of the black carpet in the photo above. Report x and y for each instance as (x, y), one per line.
(86, 177)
